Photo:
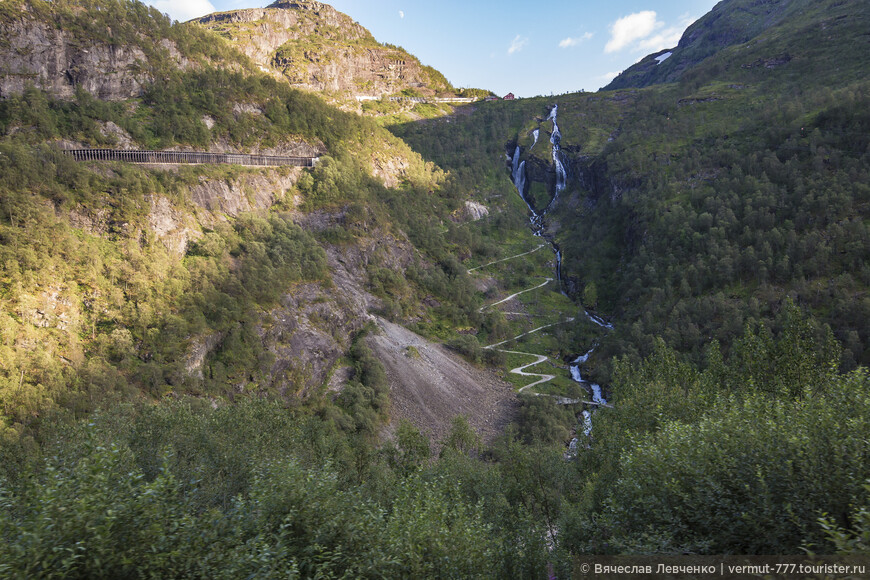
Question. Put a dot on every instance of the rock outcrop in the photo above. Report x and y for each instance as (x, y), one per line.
(249, 192)
(321, 49)
(35, 53)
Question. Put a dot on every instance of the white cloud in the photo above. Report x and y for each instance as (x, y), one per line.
(667, 38)
(643, 31)
(631, 28)
(401, 13)
(183, 10)
(518, 44)
(569, 42)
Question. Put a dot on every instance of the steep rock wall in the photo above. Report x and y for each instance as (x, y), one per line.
(318, 48)
(58, 62)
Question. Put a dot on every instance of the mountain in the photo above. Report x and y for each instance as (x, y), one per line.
(112, 53)
(720, 222)
(316, 47)
(394, 363)
(695, 207)
(746, 37)
(266, 276)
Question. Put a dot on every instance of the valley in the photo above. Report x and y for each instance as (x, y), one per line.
(356, 334)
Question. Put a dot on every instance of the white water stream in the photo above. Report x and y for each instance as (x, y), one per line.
(518, 176)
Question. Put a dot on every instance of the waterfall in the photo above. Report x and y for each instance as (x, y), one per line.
(518, 176)
(553, 112)
(561, 173)
(579, 361)
(556, 136)
(587, 423)
(556, 140)
(515, 164)
(598, 320)
(597, 396)
(520, 181)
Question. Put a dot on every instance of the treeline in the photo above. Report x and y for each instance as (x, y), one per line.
(742, 457)
(707, 220)
(735, 458)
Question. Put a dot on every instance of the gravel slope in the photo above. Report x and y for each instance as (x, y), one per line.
(429, 385)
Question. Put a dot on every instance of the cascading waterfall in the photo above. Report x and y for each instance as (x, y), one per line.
(518, 176)
(597, 396)
(515, 163)
(556, 140)
(553, 112)
(561, 173)
(587, 423)
(535, 134)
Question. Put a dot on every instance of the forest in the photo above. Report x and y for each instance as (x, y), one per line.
(719, 222)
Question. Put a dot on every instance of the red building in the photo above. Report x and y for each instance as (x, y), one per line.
(509, 97)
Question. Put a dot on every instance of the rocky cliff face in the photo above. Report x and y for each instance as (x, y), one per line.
(60, 62)
(47, 58)
(318, 48)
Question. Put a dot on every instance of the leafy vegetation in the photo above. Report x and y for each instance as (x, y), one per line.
(708, 469)
(720, 223)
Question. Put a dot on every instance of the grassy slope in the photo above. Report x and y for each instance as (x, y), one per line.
(92, 313)
(696, 207)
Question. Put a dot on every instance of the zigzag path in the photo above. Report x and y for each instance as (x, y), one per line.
(539, 358)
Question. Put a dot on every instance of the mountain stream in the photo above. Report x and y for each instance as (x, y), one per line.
(536, 221)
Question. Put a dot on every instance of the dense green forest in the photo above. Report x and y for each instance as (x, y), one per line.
(719, 221)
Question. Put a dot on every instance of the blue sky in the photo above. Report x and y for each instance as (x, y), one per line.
(510, 45)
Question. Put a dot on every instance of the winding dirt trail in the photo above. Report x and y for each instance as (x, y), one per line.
(539, 358)
(514, 295)
(569, 319)
(521, 369)
(508, 258)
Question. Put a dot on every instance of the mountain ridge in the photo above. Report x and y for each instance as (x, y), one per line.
(218, 371)
(318, 48)
(757, 34)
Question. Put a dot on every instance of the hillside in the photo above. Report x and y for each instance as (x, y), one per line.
(744, 38)
(720, 222)
(694, 207)
(316, 48)
(394, 363)
(211, 281)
